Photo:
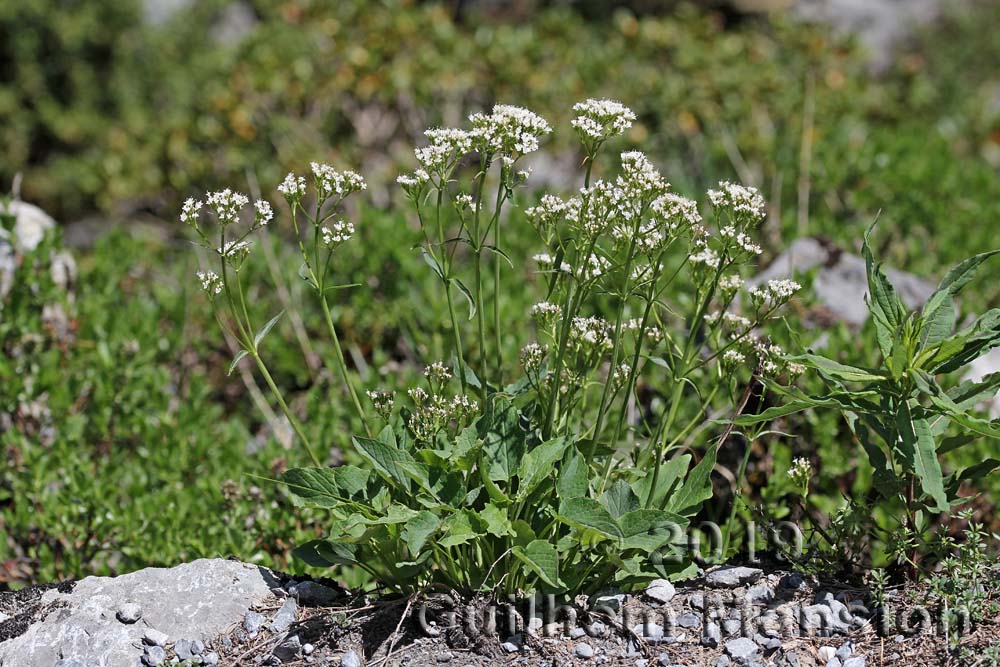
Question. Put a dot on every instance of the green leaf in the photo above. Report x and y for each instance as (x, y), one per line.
(237, 359)
(504, 440)
(588, 514)
(418, 529)
(430, 260)
(573, 479)
(387, 461)
(458, 529)
(542, 559)
(496, 520)
(497, 251)
(938, 314)
(468, 296)
(670, 472)
(970, 394)
(650, 530)
(620, 499)
(313, 487)
(538, 464)
(886, 308)
(696, 489)
(351, 479)
(324, 553)
(837, 371)
(918, 440)
(265, 329)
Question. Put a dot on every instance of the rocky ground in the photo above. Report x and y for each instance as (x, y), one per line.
(219, 612)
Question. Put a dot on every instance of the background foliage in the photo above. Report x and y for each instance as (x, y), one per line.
(110, 117)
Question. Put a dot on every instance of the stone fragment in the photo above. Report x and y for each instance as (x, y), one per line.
(154, 637)
(289, 649)
(153, 656)
(286, 615)
(585, 651)
(712, 636)
(661, 590)
(350, 659)
(253, 622)
(129, 613)
(741, 649)
(733, 576)
(311, 593)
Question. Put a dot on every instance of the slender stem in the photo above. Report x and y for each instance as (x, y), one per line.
(285, 409)
(477, 259)
(343, 366)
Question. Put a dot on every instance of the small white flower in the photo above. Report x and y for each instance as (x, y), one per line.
(545, 312)
(546, 261)
(293, 187)
(382, 401)
(210, 282)
(742, 201)
(730, 283)
(676, 211)
(190, 211)
(593, 267)
(599, 120)
(264, 212)
(773, 292)
(531, 357)
(329, 181)
(227, 205)
(418, 395)
(437, 372)
(707, 257)
(235, 250)
(742, 240)
(337, 233)
(591, 332)
(464, 201)
(509, 131)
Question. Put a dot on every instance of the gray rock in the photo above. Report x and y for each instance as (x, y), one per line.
(65, 662)
(722, 661)
(610, 600)
(792, 581)
(856, 661)
(289, 649)
(845, 651)
(129, 613)
(211, 658)
(253, 622)
(444, 657)
(689, 620)
(840, 283)
(773, 644)
(307, 649)
(712, 636)
(663, 659)
(650, 631)
(187, 649)
(584, 651)
(732, 626)
(596, 629)
(286, 615)
(350, 659)
(311, 593)
(197, 600)
(760, 594)
(834, 662)
(577, 632)
(154, 637)
(826, 653)
(661, 590)
(741, 649)
(510, 647)
(731, 577)
(153, 656)
(697, 601)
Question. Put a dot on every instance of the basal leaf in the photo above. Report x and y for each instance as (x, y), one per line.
(496, 520)
(538, 464)
(324, 553)
(651, 530)
(542, 559)
(574, 477)
(697, 487)
(587, 513)
(504, 440)
(314, 487)
(386, 460)
(459, 528)
(418, 529)
(620, 499)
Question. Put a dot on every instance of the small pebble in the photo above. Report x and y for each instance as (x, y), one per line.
(845, 651)
(689, 620)
(741, 649)
(154, 637)
(210, 658)
(584, 651)
(350, 659)
(185, 649)
(289, 649)
(129, 613)
(308, 648)
(597, 629)
(285, 617)
(444, 657)
(722, 661)
(253, 622)
(856, 661)
(661, 590)
(663, 659)
(825, 653)
(154, 656)
(510, 647)
(712, 636)
(576, 633)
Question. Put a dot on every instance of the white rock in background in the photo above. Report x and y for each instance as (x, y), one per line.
(841, 282)
(979, 369)
(197, 600)
(30, 227)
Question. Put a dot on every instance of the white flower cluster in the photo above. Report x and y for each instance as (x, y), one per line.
(730, 283)
(639, 176)
(337, 233)
(800, 472)
(773, 292)
(464, 201)
(741, 201)
(509, 130)
(235, 251)
(621, 376)
(654, 334)
(769, 356)
(437, 372)
(547, 212)
(548, 262)
(739, 323)
(434, 413)
(531, 357)
(329, 181)
(264, 212)
(676, 211)
(210, 282)
(733, 358)
(599, 120)
(742, 240)
(293, 187)
(546, 313)
(593, 267)
(591, 333)
(412, 183)
(190, 211)
(383, 402)
(707, 257)
(227, 205)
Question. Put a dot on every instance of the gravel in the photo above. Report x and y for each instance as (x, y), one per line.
(712, 636)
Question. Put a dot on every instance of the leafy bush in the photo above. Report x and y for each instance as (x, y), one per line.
(544, 481)
(900, 413)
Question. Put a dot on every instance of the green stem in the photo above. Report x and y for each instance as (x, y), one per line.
(343, 366)
(285, 409)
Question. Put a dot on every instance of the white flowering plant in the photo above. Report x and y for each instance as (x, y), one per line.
(580, 462)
